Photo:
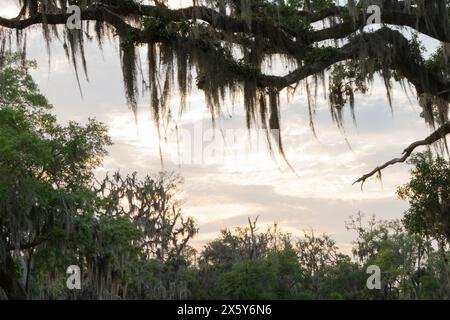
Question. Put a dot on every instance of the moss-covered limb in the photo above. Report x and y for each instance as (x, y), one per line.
(378, 46)
(157, 19)
(264, 27)
(433, 28)
(239, 70)
(204, 37)
(232, 24)
(155, 23)
(316, 60)
(422, 20)
(390, 48)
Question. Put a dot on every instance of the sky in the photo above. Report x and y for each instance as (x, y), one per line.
(238, 178)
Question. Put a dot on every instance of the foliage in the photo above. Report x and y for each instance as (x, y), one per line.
(53, 213)
(428, 193)
(45, 168)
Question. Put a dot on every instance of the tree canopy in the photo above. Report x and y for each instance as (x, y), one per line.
(429, 196)
(45, 169)
(224, 45)
(53, 212)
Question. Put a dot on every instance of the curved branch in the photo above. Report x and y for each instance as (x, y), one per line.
(434, 137)
(424, 80)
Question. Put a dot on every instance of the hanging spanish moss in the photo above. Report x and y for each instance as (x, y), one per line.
(225, 43)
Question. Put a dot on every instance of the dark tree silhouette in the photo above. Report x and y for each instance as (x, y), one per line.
(152, 205)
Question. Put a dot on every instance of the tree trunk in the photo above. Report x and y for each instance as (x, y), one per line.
(9, 281)
(447, 269)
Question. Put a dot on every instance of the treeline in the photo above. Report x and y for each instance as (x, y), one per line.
(241, 264)
(130, 240)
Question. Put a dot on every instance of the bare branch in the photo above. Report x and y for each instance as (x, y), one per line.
(434, 137)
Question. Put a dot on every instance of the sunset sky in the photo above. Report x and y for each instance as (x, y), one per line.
(240, 180)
